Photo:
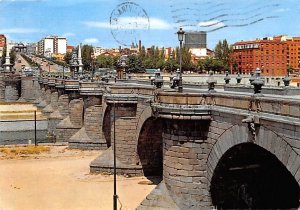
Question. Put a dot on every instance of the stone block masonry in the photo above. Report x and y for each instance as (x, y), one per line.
(125, 140)
(12, 91)
(185, 153)
(71, 124)
(27, 89)
(76, 112)
(90, 136)
(63, 105)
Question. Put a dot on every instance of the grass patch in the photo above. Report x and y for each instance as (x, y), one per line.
(29, 150)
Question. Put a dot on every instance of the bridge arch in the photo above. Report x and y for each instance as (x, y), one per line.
(106, 124)
(150, 147)
(234, 149)
(149, 143)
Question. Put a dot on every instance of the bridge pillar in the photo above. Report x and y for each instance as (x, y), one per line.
(58, 115)
(126, 144)
(71, 124)
(12, 88)
(90, 136)
(27, 89)
(41, 103)
(52, 105)
(129, 115)
(185, 154)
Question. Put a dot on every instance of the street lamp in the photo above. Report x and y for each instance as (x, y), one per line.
(63, 73)
(92, 66)
(171, 58)
(180, 34)
(41, 70)
(49, 65)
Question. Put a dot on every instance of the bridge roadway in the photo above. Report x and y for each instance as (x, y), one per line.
(211, 149)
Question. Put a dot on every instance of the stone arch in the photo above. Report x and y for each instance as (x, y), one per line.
(145, 115)
(266, 140)
(106, 125)
(150, 147)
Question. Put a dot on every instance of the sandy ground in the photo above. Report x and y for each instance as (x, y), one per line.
(60, 180)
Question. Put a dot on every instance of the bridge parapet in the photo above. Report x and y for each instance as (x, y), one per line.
(72, 85)
(140, 90)
(51, 81)
(59, 83)
(279, 106)
(91, 88)
(45, 80)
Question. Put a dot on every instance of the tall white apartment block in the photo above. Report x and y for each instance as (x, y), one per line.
(52, 45)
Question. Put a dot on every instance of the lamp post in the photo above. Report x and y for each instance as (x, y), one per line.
(93, 66)
(171, 58)
(49, 64)
(180, 34)
(115, 196)
(63, 75)
(41, 70)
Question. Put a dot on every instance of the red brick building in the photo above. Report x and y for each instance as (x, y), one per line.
(272, 55)
(2, 40)
(2, 43)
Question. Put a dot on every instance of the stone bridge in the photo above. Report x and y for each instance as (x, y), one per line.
(210, 149)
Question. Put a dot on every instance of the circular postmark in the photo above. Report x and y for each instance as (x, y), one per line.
(127, 20)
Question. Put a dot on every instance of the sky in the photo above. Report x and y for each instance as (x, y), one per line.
(114, 23)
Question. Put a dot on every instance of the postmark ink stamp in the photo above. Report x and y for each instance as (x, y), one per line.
(126, 21)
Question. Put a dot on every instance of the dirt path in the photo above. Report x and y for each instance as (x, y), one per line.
(60, 180)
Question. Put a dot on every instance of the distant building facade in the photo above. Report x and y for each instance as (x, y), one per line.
(272, 55)
(70, 48)
(52, 45)
(195, 39)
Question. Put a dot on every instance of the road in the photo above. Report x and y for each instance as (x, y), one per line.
(18, 66)
(46, 65)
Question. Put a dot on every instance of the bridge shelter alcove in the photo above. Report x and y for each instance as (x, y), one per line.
(249, 177)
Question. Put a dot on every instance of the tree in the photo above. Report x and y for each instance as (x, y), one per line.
(105, 61)
(171, 65)
(12, 55)
(211, 64)
(223, 53)
(86, 54)
(186, 58)
(135, 64)
(162, 53)
(68, 57)
(142, 53)
(201, 65)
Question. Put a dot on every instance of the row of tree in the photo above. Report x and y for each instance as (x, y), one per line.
(12, 55)
(154, 58)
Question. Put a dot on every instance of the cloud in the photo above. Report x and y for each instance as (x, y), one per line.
(214, 23)
(19, 30)
(91, 41)
(129, 23)
(282, 10)
(96, 24)
(68, 34)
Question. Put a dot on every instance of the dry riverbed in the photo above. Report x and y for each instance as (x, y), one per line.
(56, 178)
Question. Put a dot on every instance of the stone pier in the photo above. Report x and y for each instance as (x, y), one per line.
(71, 124)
